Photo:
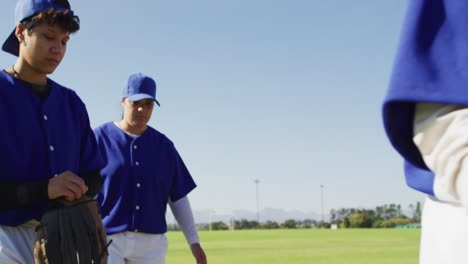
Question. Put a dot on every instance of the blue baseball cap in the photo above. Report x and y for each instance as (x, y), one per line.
(28, 8)
(139, 87)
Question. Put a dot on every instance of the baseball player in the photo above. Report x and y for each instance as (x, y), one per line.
(426, 119)
(47, 148)
(144, 173)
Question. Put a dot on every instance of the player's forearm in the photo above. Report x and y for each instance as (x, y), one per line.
(93, 181)
(29, 193)
(183, 214)
(22, 194)
(440, 135)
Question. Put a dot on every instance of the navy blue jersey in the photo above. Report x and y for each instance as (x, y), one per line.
(41, 138)
(431, 66)
(141, 175)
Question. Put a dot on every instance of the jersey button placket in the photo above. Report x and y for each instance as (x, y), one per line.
(136, 164)
(51, 147)
(51, 150)
(135, 147)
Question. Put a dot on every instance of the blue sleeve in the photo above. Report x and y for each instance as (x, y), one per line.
(90, 156)
(182, 181)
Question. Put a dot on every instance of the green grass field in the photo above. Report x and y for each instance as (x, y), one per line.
(302, 246)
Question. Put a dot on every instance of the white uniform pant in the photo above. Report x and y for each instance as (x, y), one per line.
(444, 234)
(17, 243)
(137, 248)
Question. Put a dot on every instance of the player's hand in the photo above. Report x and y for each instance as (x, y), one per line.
(68, 186)
(198, 253)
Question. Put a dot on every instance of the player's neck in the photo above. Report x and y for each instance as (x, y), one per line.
(24, 72)
(134, 130)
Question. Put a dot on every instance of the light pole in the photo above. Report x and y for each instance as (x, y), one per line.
(321, 200)
(257, 181)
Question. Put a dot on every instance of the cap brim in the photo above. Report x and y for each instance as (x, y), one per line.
(11, 44)
(138, 97)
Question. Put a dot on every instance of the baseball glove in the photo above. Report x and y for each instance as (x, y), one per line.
(71, 234)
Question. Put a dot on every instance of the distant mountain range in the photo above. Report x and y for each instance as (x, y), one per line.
(272, 214)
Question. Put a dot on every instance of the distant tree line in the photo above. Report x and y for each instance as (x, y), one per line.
(248, 224)
(386, 216)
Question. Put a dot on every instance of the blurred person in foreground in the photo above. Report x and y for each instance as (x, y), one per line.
(425, 116)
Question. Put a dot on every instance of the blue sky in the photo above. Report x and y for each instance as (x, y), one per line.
(287, 92)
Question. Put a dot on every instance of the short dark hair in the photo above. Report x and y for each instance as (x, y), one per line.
(62, 18)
